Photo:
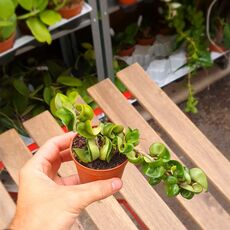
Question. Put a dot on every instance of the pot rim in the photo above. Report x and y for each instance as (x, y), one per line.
(90, 169)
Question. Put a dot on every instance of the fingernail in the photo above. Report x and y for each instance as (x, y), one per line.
(116, 184)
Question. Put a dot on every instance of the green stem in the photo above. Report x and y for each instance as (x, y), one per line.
(28, 15)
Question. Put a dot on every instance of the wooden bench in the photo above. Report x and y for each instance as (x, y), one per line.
(154, 210)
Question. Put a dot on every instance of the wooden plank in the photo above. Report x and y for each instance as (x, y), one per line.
(43, 127)
(7, 207)
(135, 186)
(190, 139)
(13, 153)
(120, 111)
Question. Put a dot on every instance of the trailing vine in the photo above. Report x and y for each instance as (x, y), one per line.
(189, 24)
(107, 139)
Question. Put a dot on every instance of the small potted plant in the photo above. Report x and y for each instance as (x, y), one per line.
(127, 2)
(125, 41)
(145, 36)
(68, 8)
(102, 152)
(38, 17)
(8, 21)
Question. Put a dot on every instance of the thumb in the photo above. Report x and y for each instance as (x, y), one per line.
(98, 190)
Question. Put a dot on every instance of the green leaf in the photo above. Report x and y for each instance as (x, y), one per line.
(176, 168)
(50, 17)
(30, 5)
(86, 45)
(86, 112)
(93, 149)
(199, 176)
(48, 93)
(47, 79)
(39, 30)
(154, 172)
(7, 9)
(186, 194)
(72, 95)
(172, 190)
(69, 81)
(20, 86)
(83, 155)
(106, 149)
(66, 117)
(154, 181)
(134, 157)
(92, 131)
(171, 180)
(81, 129)
(159, 149)
(132, 136)
(38, 109)
(20, 102)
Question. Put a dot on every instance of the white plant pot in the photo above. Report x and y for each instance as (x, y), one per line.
(163, 46)
(142, 55)
(158, 70)
(177, 59)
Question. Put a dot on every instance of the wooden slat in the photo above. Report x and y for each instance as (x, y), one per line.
(120, 111)
(188, 137)
(139, 194)
(7, 207)
(103, 213)
(13, 153)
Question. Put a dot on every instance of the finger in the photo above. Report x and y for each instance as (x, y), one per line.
(66, 155)
(98, 190)
(52, 148)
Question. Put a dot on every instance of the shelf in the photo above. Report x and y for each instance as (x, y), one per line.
(65, 26)
(185, 70)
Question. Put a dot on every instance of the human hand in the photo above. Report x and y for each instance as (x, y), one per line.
(47, 201)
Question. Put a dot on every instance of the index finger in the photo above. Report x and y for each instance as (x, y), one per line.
(52, 149)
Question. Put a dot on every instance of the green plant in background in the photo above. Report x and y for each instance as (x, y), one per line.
(107, 139)
(219, 21)
(8, 19)
(189, 24)
(127, 38)
(38, 17)
(27, 90)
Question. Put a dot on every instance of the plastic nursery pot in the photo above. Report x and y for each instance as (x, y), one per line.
(127, 2)
(126, 52)
(7, 44)
(216, 48)
(88, 174)
(71, 11)
(145, 41)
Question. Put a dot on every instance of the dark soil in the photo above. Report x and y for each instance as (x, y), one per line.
(117, 159)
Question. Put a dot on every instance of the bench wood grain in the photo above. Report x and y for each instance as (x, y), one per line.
(120, 111)
(180, 128)
(7, 207)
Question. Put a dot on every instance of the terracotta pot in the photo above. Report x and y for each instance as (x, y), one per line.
(145, 41)
(127, 2)
(126, 52)
(69, 12)
(7, 44)
(216, 48)
(88, 174)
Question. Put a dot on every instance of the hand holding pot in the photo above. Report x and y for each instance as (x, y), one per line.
(47, 200)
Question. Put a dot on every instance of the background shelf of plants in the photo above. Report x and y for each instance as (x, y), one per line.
(30, 81)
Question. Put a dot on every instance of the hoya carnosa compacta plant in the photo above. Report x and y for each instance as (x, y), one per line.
(107, 139)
